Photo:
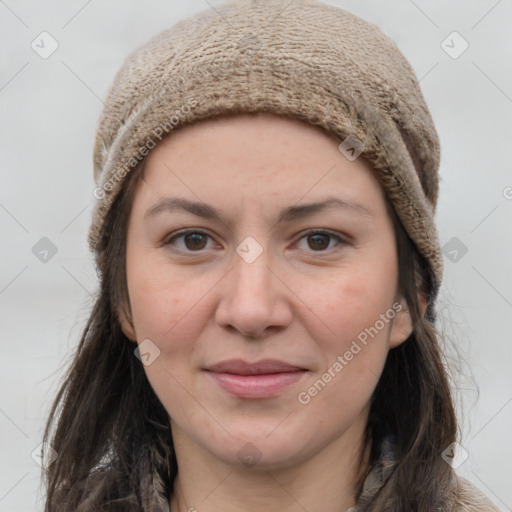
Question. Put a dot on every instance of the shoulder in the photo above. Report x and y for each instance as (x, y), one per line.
(467, 498)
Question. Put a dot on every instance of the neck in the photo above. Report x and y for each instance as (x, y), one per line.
(325, 481)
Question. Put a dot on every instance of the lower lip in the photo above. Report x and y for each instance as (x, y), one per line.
(256, 386)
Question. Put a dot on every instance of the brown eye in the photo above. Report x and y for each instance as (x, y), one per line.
(320, 240)
(193, 241)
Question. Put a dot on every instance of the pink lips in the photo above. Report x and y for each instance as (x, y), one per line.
(261, 379)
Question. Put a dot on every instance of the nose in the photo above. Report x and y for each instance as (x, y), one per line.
(254, 299)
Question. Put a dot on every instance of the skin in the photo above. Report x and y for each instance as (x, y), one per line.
(303, 300)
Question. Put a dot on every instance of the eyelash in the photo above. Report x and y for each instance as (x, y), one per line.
(182, 234)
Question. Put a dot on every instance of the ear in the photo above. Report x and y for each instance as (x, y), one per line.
(402, 323)
(126, 323)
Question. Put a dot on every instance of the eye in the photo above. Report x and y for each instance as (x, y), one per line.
(194, 240)
(318, 239)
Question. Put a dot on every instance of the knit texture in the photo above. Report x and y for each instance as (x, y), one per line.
(301, 59)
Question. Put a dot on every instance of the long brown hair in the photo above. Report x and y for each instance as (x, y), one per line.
(112, 434)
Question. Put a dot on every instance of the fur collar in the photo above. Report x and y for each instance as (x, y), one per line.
(465, 496)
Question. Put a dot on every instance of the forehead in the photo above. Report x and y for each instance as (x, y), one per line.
(252, 129)
(261, 156)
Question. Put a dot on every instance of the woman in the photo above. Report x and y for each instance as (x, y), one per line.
(264, 335)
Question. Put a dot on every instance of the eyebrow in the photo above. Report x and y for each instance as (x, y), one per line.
(290, 213)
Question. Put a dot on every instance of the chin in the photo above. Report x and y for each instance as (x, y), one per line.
(255, 451)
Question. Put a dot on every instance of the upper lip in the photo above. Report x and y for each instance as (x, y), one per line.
(241, 367)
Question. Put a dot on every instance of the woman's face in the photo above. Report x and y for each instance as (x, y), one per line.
(264, 330)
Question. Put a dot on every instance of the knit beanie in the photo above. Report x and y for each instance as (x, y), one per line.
(302, 59)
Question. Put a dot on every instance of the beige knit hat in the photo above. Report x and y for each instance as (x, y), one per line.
(299, 58)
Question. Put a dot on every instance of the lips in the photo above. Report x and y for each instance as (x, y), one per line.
(262, 379)
(241, 367)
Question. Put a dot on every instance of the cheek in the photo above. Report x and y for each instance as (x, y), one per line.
(167, 306)
(353, 352)
(354, 348)
(350, 303)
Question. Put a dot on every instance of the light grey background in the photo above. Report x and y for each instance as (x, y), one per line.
(49, 110)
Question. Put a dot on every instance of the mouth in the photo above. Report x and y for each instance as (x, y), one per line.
(262, 379)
